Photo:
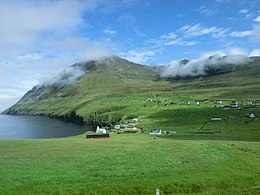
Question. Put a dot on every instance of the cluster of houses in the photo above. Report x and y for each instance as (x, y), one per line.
(157, 131)
(233, 105)
(250, 116)
(126, 129)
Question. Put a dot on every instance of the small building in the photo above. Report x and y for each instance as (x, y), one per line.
(257, 102)
(148, 100)
(155, 132)
(131, 128)
(206, 101)
(99, 130)
(218, 101)
(126, 129)
(252, 116)
(134, 120)
(98, 136)
(120, 127)
(234, 106)
(234, 102)
(215, 119)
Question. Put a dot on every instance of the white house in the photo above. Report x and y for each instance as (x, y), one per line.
(252, 116)
(155, 132)
(131, 128)
(234, 106)
(216, 119)
(99, 130)
(134, 120)
(218, 101)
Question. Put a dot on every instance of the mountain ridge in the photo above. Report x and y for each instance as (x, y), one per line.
(112, 77)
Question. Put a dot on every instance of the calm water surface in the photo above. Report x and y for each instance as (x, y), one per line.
(32, 127)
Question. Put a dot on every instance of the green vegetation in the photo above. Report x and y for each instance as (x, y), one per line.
(202, 157)
(111, 91)
(129, 164)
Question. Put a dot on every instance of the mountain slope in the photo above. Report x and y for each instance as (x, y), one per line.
(108, 90)
(105, 77)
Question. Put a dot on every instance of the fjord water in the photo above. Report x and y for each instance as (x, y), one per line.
(35, 127)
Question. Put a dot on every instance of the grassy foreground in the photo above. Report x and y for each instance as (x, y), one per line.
(129, 164)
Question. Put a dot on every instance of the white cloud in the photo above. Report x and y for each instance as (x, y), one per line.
(172, 39)
(257, 19)
(139, 55)
(21, 24)
(242, 33)
(170, 35)
(221, 33)
(237, 51)
(221, 53)
(6, 101)
(223, 1)
(243, 11)
(255, 52)
(6, 98)
(206, 11)
(29, 57)
(180, 42)
(198, 30)
(212, 53)
(109, 31)
(249, 15)
(197, 67)
(246, 13)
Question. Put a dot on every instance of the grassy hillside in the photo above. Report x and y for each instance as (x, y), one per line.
(113, 90)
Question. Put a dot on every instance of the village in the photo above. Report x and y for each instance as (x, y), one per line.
(133, 125)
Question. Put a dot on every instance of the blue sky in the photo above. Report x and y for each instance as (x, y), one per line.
(39, 38)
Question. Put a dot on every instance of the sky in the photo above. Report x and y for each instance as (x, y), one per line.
(40, 38)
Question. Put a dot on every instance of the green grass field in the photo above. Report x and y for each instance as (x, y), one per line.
(129, 164)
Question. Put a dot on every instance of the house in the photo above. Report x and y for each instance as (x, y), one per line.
(218, 101)
(131, 128)
(148, 100)
(234, 102)
(155, 132)
(257, 102)
(134, 120)
(234, 106)
(252, 116)
(99, 130)
(206, 101)
(126, 129)
(216, 119)
(120, 127)
(98, 136)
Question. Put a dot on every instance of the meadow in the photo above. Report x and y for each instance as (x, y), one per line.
(129, 164)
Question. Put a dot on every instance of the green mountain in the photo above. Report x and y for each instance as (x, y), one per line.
(109, 76)
(112, 89)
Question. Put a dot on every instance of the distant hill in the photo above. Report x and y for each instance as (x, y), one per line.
(92, 90)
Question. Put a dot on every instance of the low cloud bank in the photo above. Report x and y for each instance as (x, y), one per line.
(67, 76)
(218, 62)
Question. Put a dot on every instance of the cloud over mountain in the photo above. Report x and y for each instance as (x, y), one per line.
(219, 62)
